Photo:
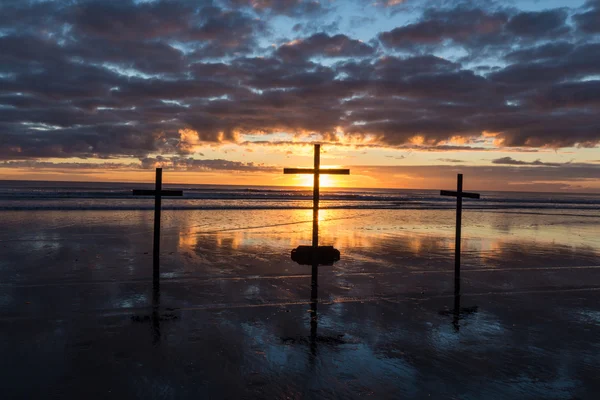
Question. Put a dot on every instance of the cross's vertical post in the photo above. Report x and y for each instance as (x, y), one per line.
(157, 207)
(459, 194)
(316, 172)
(459, 185)
(157, 193)
(316, 184)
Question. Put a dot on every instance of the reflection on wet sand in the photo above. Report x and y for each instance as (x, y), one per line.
(458, 313)
(156, 311)
(249, 322)
(482, 244)
(314, 318)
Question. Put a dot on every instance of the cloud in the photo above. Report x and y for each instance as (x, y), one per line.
(451, 160)
(290, 8)
(94, 79)
(546, 51)
(539, 24)
(478, 30)
(571, 95)
(313, 26)
(69, 166)
(171, 163)
(578, 177)
(191, 164)
(587, 22)
(550, 66)
(569, 177)
(323, 45)
(512, 161)
(461, 25)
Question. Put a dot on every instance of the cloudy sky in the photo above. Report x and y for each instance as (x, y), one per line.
(404, 92)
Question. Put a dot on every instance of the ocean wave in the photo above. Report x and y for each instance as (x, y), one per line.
(107, 196)
(291, 196)
(373, 206)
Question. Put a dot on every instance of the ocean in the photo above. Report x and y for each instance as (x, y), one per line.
(36, 195)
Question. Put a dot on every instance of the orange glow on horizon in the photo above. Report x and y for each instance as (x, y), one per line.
(324, 181)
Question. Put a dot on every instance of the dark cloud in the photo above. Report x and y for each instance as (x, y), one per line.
(18, 141)
(90, 78)
(484, 32)
(128, 20)
(587, 22)
(72, 166)
(323, 45)
(573, 62)
(172, 163)
(290, 8)
(571, 177)
(512, 161)
(571, 95)
(192, 164)
(461, 25)
(451, 160)
(549, 23)
(546, 51)
(543, 129)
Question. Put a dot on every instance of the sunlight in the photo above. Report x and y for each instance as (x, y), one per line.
(307, 180)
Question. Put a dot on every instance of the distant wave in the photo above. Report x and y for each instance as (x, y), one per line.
(287, 195)
(90, 196)
(53, 206)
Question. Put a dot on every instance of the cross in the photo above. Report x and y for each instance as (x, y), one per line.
(316, 172)
(459, 194)
(317, 254)
(157, 193)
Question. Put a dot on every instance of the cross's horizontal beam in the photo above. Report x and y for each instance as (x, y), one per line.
(462, 194)
(143, 192)
(325, 171)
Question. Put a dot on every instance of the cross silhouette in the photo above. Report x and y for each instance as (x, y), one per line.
(316, 172)
(315, 255)
(157, 193)
(459, 194)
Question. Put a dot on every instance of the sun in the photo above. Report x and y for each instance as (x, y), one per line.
(307, 180)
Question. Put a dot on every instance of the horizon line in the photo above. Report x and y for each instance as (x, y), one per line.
(291, 186)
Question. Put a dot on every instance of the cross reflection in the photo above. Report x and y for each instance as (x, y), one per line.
(314, 321)
(156, 316)
(459, 313)
(155, 322)
(315, 255)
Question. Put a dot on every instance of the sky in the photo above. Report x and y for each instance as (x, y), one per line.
(405, 93)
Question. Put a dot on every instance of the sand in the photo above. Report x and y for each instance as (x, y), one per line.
(76, 315)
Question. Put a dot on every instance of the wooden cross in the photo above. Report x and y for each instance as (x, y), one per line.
(158, 192)
(459, 194)
(316, 172)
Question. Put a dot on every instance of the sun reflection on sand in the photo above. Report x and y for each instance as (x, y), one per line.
(392, 238)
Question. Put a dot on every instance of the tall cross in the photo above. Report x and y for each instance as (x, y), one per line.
(158, 192)
(316, 172)
(459, 194)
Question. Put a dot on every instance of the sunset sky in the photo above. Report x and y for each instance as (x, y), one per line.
(404, 93)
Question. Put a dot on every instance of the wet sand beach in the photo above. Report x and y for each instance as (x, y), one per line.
(233, 316)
